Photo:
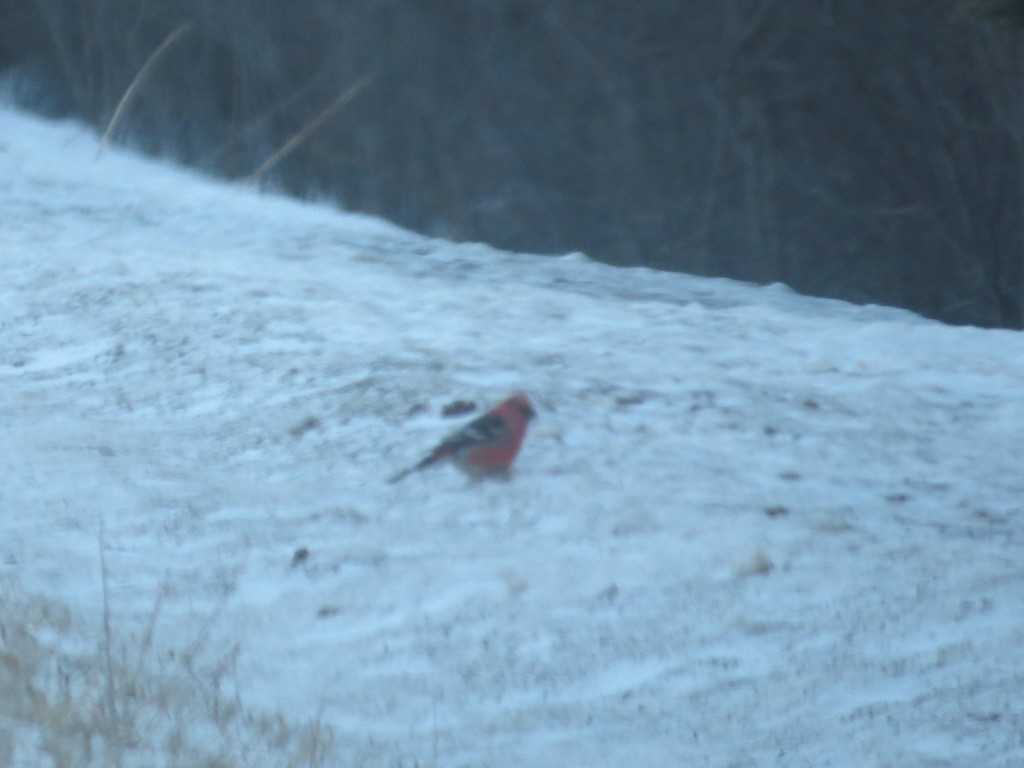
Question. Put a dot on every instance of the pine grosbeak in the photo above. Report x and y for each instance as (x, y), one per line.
(487, 445)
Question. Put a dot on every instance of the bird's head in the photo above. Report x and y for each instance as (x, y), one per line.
(522, 403)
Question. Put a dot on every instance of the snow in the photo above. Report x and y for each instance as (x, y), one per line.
(748, 528)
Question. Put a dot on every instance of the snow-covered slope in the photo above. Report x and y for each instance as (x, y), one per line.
(748, 529)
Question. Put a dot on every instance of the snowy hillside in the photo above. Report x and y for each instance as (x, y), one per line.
(748, 528)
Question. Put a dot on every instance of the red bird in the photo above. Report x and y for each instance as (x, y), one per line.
(487, 445)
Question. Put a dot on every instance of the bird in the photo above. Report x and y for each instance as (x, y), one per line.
(485, 446)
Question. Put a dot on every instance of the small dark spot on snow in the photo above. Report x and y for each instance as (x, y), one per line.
(778, 510)
(350, 516)
(635, 398)
(771, 431)
(702, 398)
(416, 409)
(458, 408)
(301, 555)
(790, 475)
(990, 516)
(306, 425)
(811, 404)
(326, 611)
(985, 717)
(897, 498)
(609, 593)
(758, 564)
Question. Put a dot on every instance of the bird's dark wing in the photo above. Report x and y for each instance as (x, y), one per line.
(489, 428)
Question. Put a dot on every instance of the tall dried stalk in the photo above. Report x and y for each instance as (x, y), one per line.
(137, 81)
(313, 124)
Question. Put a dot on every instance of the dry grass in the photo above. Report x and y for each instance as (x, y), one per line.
(71, 699)
(343, 98)
(137, 81)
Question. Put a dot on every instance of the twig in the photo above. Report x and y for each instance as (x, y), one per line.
(168, 41)
(107, 635)
(206, 161)
(301, 136)
(154, 615)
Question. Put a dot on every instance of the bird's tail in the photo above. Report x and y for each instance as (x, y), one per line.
(432, 458)
(401, 475)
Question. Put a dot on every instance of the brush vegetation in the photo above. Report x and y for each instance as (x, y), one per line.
(871, 154)
(74, 697)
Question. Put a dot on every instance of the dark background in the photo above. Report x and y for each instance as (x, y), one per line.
(869, 151)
